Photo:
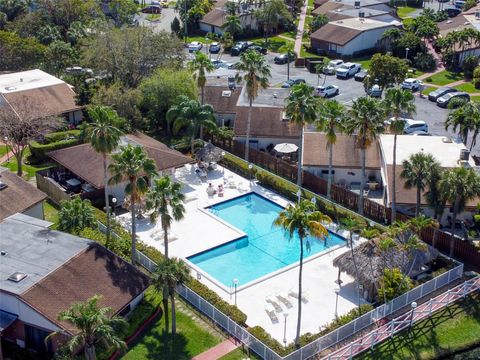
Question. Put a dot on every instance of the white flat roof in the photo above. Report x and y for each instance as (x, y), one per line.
(447, 153)
(26, 80)
(362, 23)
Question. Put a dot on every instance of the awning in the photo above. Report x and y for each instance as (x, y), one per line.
(6, 319)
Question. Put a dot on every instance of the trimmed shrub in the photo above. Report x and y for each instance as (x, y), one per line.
(54, 141)
(476, 77)
(424, 62)
(470, 63)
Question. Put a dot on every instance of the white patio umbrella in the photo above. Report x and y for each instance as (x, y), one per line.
(285, 148)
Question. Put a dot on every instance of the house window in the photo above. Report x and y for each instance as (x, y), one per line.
(332, 47)
(125, 311)
(325, 172)
(35, 340)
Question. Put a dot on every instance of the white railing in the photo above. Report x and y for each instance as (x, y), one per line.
(405, 320)
(323, 342)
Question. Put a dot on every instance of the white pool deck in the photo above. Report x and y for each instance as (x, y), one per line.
(200, 230)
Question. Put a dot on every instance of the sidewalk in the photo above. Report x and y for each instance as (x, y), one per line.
(300, 28)
(218, 351)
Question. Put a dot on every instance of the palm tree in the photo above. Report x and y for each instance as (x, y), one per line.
(256, 75)
(366, 121)
(464, 118)
(168, 274)
(192, 115)
(93, 326)
(166, 200)
(303, 220)
(76, 215)
(232, 25)
(201, 65)
(332, 117)
(459, 185)
(435, 199)
(104, 138)
(132, 165)
(399, 102)
(301, 109)
(416, 171)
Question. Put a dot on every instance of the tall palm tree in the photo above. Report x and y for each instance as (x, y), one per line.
(301, 109)
(332, 116)
(93, 326)
(366, 122)
(132, 165)
(193, 116)
(464, 118)
(303, 220)
(399, 103)
(435, 199)
(165, 198)
(201, 65)
(168, 274)
(232, 25)
(416, 171)
(104, 138)
(256, 75)
(459, 185)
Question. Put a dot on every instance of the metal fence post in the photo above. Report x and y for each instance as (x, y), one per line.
(391, 328)
(430, 306)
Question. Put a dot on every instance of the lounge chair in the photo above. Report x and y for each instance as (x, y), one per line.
(272, 300)
(270, 310)
(283, 298)
(294, 293)
(190, 197)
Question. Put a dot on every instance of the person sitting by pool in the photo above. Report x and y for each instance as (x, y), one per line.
(220, 190)
(211, 190)
(309, 248)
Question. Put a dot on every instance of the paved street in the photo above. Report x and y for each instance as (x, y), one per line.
(163, 24)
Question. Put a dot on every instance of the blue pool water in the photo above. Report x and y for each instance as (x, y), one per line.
(265, 249)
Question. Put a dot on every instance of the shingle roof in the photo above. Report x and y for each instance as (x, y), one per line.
(325, 7)
(345, 152)
(265, 122)
(94, 271)
(215, 17)
(335, 34)
(83, 161)
(222, 104)
(18, 196)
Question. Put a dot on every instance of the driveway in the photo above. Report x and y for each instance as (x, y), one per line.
(162, 24)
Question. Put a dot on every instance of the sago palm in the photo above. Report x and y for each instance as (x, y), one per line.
(366, 122)
(331, 120)
(200, 66)
(303, 220)
(76, 215)
(132, 165)
(256, 74)
(104, 138)
(193, 116)
(301, 109)
(399, 103)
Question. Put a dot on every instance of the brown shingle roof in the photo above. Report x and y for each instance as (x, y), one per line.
(266, 122)
(216, 17)
(83, 161)
(18, 196)
(345, 153)
(335, 34)
(45, 101)
(457, 22)
(222, 104)
(93, 271)
(328, 6)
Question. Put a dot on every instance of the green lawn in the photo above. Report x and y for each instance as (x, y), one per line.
(467, 87)
(304, 53)
(29, 170)
(3, 150)
(405, 11)
(427, 90)
(274, 43)
(201, 39)
(191, 339)
(50, 211)
(238, 354)
(444, 77)
(310, 3)
(452, 329)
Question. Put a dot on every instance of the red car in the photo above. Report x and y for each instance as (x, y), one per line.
(152, 9)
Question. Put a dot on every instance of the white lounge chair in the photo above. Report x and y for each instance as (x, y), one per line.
(270, 310)
(294, 293)
(272, 300)
(283, 298)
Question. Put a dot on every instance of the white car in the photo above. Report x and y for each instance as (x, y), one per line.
(348, 70)
(327, 91)
(412, 84)
(222, 64)
(195, 46)
(411, 126)
(332, 66)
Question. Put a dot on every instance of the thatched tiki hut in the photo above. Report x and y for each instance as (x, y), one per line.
(371, 262)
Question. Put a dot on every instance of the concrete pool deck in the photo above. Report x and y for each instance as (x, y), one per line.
(200, 231)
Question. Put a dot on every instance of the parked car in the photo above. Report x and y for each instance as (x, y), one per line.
(452, 11)
(444, 100)
(291, 82)
(214, 48)
(412, 84)
(361, 75)
(222, 64)
(258, 48)
(332, 66)
(327, 91)
(164, 4)
(152, 9)
(283, 59)
(420, 133)
(434, 95)
(375, 91)
(347, 70)
(459, 4)
(239, 47)
(412, 126)
(195, 46)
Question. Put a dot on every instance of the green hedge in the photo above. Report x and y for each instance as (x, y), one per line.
(53, 141)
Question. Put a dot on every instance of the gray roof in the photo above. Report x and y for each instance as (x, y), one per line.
(32, 248)
(271, 97)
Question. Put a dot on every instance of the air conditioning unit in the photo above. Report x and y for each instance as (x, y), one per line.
(357, 5)
(464, 155)
(227, 93)
(361, 14)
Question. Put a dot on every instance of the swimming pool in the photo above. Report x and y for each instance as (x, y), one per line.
(263, 250)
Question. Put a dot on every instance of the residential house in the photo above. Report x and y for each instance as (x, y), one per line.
(224, 102)
(40, 94)
(349, 37)
(19, 196)
(338, 10)
(43, 272)
(357, 4)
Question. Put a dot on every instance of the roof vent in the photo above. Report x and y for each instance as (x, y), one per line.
(10, 88)
(449, 21)
(285, 116)
(21, 79)
(17, 276)
(3, 185)
(226, 93)
(446, 140)
(477, 15)
(3, 253)
(466, 23)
